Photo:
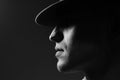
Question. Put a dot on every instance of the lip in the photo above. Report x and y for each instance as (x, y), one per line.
(58, 54)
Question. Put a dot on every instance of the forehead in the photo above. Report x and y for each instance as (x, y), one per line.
(78, 26)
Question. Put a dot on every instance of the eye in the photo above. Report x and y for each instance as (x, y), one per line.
(65, 26)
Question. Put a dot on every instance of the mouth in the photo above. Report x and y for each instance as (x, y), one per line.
(59, 52)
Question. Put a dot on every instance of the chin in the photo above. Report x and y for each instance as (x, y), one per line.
(65, 67)
(72, 66)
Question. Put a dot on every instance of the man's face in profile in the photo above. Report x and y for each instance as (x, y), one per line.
(78, 49)
(80, 37)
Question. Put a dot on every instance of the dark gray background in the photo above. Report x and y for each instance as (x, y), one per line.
(25, 51)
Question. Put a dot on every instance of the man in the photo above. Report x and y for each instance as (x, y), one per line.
(85, 38)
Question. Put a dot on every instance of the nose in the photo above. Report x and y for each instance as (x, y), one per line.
(56, 35)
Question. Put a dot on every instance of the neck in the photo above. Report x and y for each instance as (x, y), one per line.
(110, 73)
(113, 73)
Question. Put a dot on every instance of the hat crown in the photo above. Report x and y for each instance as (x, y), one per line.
(72, 11)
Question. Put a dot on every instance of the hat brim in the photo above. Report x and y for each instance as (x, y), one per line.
(47, 16)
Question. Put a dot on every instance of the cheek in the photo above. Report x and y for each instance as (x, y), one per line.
(82, 53)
